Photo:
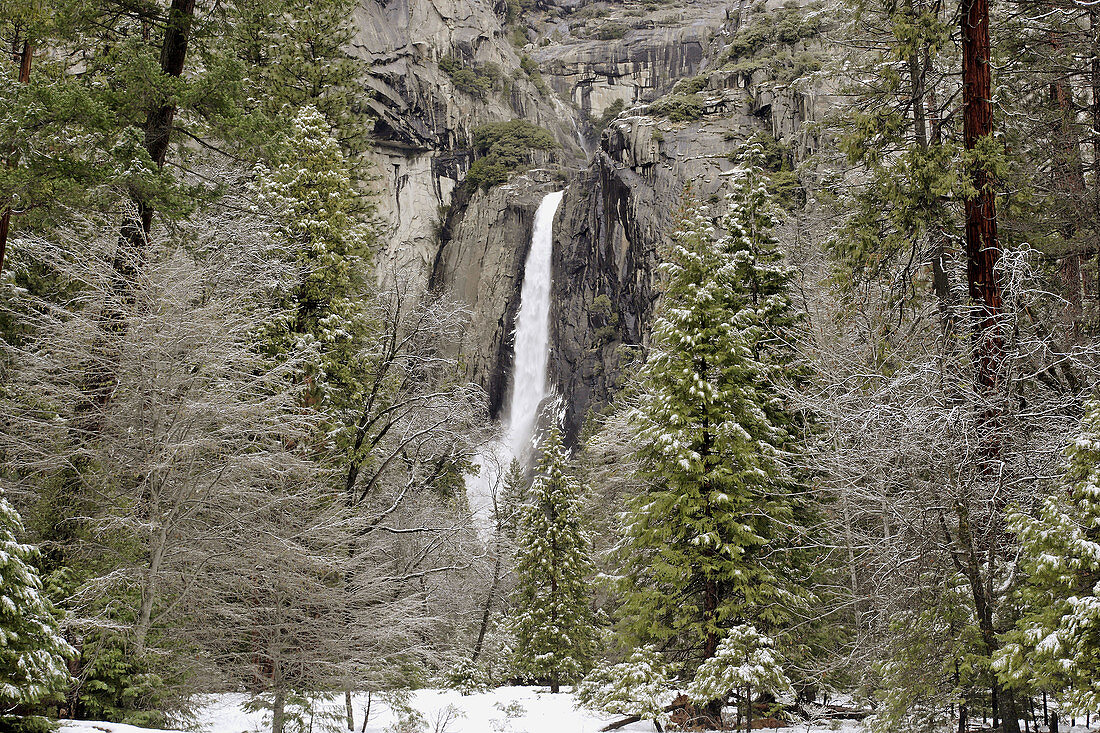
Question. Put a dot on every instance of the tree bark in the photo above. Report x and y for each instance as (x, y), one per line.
(1002, 699)
(23, 58)
(278, 711)
(487, 608)
(1094, 26)
(982, 250)
(158, 130)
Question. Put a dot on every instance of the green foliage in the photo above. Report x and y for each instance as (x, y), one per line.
(930, 664)
(553, 623)
(694, 85)
(467, 678)
(745, 660)
(784, 184)
(283, 55)
(316, 203)
(613, 110)
(119, 686)
(530, 67)
(787, 25)
(477, 80)
(679, 107)
(1056, 644)
(774, 42)
(504, 148)
(724, 523)
(604, 319)
(33, 653)
(638, 686)
(610, 31)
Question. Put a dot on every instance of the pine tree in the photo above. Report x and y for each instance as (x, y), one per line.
(553, 622)
(316, 204)
(32, 651)
(1056, 645)
(717, 541)
(744, 662)
(638, 686)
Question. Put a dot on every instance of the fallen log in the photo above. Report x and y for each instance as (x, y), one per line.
(681, 702)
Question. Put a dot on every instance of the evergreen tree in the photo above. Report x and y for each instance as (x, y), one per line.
(32, 650)
(718, 539)
(315, 202)
(553, 623)
(744, 662)
(1056, 645)
(294, 53)
(638, 686)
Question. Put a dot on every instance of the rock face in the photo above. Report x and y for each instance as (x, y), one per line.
(631, 54)
(577, 58)
(620, 213)
(481, 264)
(425, 119)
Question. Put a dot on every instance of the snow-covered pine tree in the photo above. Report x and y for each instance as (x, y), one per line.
(552, 617)
(745, 662)
(638, 686)
(1056, 644)
(719, 539)
(316, 205)
(32, 651)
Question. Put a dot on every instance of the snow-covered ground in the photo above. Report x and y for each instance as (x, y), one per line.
(503, 710)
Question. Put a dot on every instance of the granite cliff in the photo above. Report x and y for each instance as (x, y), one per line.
(646, 100)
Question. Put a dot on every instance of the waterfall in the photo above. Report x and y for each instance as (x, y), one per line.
(531, 352)
(532, 343)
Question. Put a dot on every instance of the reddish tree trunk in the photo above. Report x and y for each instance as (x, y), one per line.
(982, 250)
(983, 255)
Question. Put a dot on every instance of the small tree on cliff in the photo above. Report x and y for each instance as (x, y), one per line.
(553, 621)
(719, 538)
(32, 650)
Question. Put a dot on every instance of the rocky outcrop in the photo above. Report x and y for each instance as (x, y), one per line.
(615, 221)
(481, 264)
(425, 120)
(624, 52)
(580, 56)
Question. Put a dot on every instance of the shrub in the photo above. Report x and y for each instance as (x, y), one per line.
(477, 80)
(504, 148)
(613, 110)
(610, 31)
(679, 107)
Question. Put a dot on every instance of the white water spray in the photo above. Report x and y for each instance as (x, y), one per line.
(532, 343)
(531, 353)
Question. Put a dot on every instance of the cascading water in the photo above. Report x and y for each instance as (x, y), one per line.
(531, 352)
(532, 342)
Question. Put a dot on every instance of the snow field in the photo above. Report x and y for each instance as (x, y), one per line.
(503, 710)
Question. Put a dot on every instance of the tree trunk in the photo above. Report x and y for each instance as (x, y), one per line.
(149, 591)
(982, 250)
(23, 58)
(748, 708)
(1094, 27)
(158, 131)
(1001, 698)
(487, 608)
(278, 710)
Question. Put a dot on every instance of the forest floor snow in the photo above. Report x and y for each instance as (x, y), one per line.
(502, 710)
